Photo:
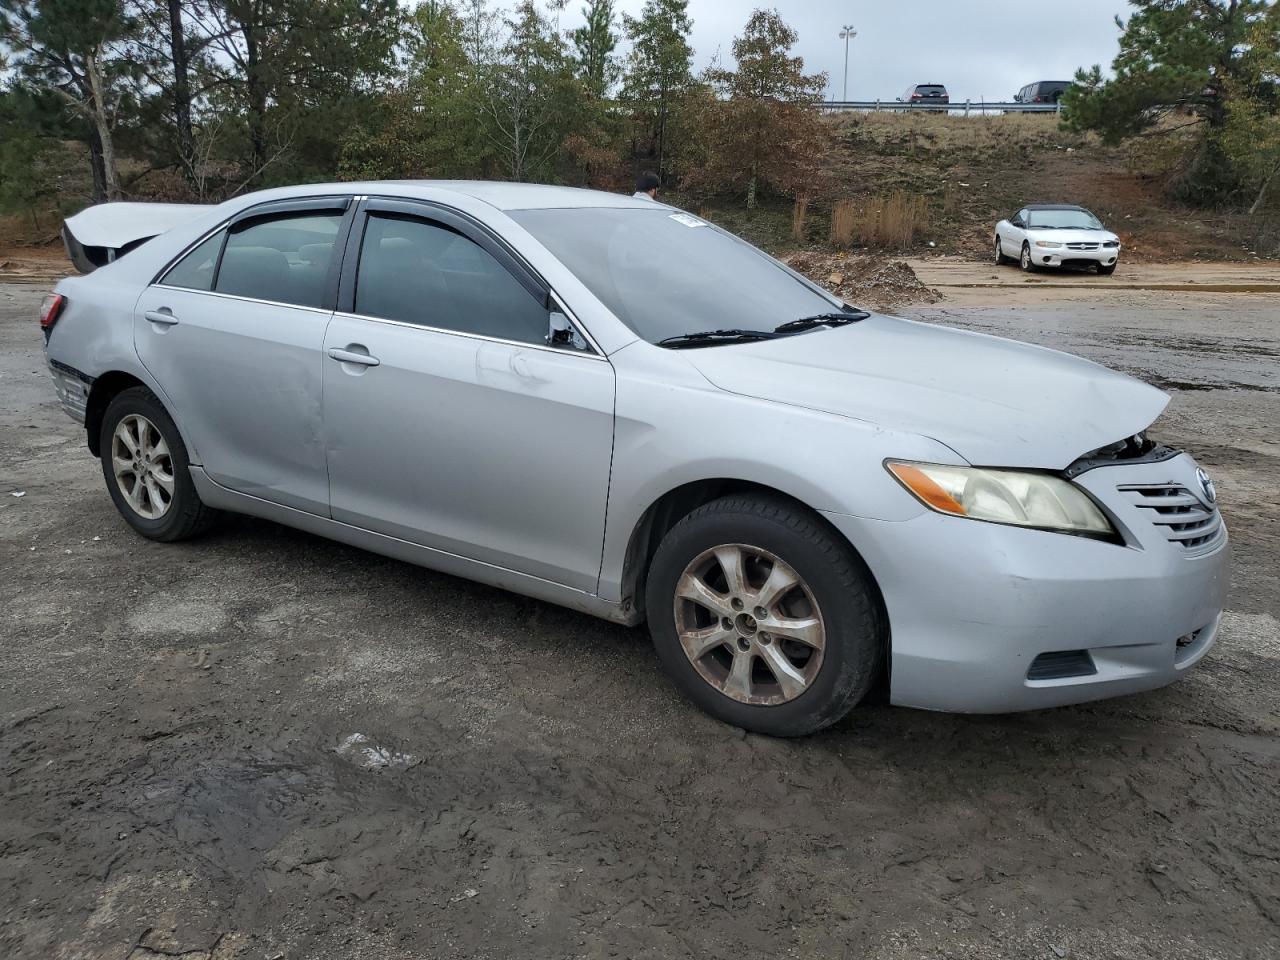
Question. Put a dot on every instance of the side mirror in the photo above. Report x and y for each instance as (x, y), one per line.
(1016, 222)
(562, 333)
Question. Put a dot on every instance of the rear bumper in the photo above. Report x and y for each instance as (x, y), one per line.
(972, 605)
(72, 388)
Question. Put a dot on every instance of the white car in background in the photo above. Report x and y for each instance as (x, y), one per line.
(1056, 235)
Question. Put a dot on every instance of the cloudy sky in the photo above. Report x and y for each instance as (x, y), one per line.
(978, 48)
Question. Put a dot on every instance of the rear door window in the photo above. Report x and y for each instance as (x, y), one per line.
(419, 271)
(283, 258)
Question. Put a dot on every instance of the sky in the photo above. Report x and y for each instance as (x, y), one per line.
(977, 49)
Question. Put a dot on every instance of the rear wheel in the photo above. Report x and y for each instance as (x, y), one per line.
(763, 617)
(1001, 259)
(145, 464)
(1025, 261)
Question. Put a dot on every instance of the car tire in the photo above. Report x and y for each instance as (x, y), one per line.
(814, 653)
(1025, 260)
(145, 465)
(1001, 259)
(1107, 271)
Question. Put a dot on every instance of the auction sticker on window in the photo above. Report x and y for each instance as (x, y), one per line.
(687, 220)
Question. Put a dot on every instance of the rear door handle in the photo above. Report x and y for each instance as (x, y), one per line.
(164, 316)
(351, 356)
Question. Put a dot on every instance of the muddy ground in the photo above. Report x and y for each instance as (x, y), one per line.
(180, 771)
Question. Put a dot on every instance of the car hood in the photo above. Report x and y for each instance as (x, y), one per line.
(1072, 236)
(995, 402)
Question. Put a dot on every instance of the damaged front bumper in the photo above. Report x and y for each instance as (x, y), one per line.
(986, 618)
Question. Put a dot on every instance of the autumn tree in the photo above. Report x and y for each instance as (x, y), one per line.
(659, 68)
(1179, 66)
(757, 128)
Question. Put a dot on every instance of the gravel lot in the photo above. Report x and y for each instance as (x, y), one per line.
(266, 745)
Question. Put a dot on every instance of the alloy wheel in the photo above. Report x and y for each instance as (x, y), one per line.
(749, 624)
(142, 466)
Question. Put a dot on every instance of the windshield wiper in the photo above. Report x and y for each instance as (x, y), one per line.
(821, 320)
(704, 338)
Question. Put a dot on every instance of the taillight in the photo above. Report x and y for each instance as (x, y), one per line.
(50, 309)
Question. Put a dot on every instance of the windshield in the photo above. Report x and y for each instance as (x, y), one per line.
(1063, 220)
(665, 273)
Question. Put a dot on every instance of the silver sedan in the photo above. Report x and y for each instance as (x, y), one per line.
(609, 404)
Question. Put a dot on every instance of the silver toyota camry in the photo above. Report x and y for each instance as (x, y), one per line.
(606, 403)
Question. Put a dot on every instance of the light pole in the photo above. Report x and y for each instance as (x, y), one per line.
(847, 33)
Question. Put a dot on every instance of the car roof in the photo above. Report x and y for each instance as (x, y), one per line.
(499, 194)
(1055, 206)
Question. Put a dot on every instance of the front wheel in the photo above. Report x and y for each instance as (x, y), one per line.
(1107, 271)
(763, 617)
(1025, 260)
(145, 464)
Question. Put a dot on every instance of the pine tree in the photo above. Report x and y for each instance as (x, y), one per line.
(79, 50)
(1251, 133)
(595, 42)
(1179, 57)
(659, 69)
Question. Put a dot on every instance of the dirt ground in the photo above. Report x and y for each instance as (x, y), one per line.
(266, 745)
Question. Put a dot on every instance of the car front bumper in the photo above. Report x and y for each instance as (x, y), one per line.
(972, 605)
(1057, 257)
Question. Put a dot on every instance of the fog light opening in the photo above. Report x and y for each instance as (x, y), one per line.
(1062, 665)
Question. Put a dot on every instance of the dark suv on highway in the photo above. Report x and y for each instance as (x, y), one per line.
(1042, 91)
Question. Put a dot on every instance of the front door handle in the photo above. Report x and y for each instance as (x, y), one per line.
(164, 316)
(352, 356)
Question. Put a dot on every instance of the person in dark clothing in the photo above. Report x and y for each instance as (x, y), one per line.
(647, 186)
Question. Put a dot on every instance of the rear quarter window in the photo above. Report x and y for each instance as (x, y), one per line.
(195, 270)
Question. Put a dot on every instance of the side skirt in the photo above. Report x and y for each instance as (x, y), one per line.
(222, 498)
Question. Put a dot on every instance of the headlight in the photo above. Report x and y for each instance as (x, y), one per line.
(1048, 244)
(1017, 497)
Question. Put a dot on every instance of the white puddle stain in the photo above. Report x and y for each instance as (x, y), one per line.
(363, 752)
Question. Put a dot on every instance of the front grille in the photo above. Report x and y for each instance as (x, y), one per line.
(1177, 513)
(1082, 246)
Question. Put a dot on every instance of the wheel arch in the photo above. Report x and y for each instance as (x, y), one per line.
(674, 505)
(671, 507)
(105, 389)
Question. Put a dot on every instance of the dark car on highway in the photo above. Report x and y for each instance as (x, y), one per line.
(1042, 91)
